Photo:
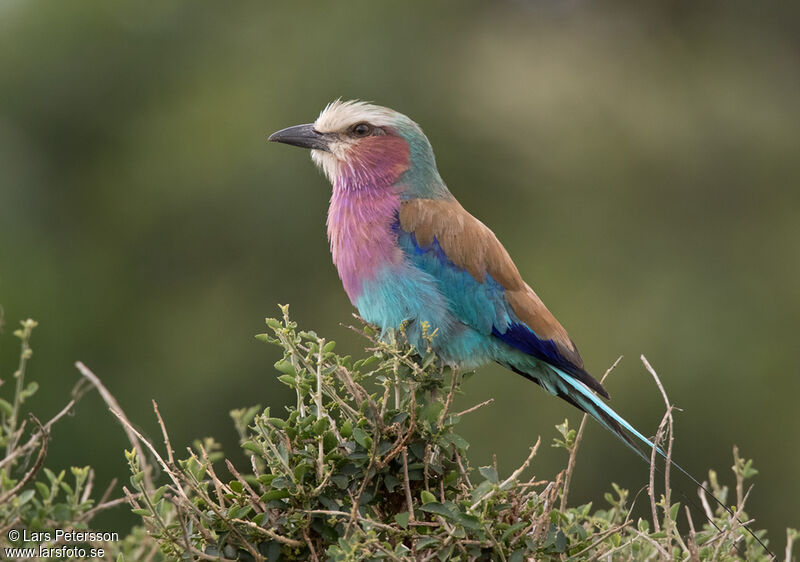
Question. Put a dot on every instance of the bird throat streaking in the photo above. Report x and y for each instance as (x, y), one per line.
(409, 254)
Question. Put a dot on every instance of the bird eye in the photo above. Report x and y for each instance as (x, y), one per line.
(361, 129)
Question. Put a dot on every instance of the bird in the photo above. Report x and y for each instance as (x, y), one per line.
(411, 257)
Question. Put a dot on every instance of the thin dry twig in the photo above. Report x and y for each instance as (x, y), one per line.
(660, 548)
(704, 502)
(791, 535)
(37, 465)
(507, 481)
(665, 425)
(475, 407)
(601, 537)
(359, 517)
(354, 513)
(463, 471)
(320, 412)
(257, 504)
(167, 444)
(269, 533)
(691, 545)
(407, 486)
(34, 439)
(449, 401)
(112, 403)
(310, 543)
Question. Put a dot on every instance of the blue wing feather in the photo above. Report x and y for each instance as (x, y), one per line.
(480, 305)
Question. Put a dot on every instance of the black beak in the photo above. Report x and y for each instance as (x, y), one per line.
(304, 136)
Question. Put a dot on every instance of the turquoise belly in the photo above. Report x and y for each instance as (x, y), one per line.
(398, 294)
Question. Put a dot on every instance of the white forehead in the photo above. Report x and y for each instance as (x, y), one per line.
(339, 115)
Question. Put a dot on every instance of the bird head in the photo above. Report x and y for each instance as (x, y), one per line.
(360, 145)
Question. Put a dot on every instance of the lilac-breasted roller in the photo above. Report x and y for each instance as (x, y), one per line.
(408, 253)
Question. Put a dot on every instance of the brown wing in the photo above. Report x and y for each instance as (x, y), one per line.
(470, 245)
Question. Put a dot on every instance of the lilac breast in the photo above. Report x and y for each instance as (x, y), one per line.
(360, 229)
(363, 210)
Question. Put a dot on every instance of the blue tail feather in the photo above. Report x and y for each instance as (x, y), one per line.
(579, 395)
(589, 399)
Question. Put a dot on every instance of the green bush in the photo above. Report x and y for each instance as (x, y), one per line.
(43, 513)
(367, 465)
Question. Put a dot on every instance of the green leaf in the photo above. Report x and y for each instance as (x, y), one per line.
(673, 511)
(266, 479)
(431, 411)
(239, 511)
(25, 496)
(251, 446)
(274, 495)
(6, 407)
(402, 519)
(30, 390)
(467, 520)
(426, 542)
(455, 439)
(438, 509)
(481, 490)
(489, 473)
(346, 430)
(321, 425)
(329, 441)
(513, 529)
(159, 493)
(285, 367)
(362, 438)
(300, 471)
(288, 380)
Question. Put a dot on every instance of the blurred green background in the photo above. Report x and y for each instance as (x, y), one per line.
(639, 163)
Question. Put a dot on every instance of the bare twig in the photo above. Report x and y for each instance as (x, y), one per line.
(407, 486)
(600, 538)
(269, 533)
(791, 536)
(449, 400)
(694, 550)
(354, 513)
(510, 479)
(660, 548)
(666, 425)
(399, 446)
(163, 427)
(318, 399)
(34, 439)
(463, 471)
(704, 501)
(310, 543)
(31, 473)
(475, 407)
(112, 403)
(359, 517)
(232, 469)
